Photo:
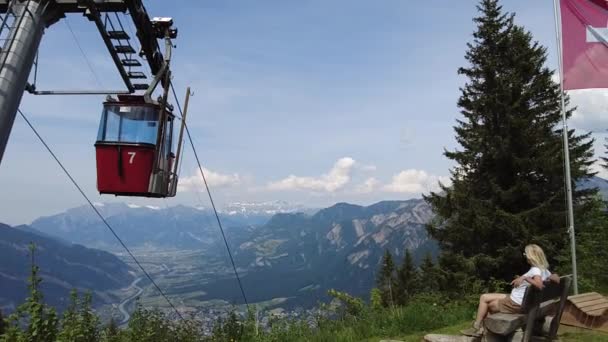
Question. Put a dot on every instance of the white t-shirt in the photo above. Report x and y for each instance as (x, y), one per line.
(517, 294)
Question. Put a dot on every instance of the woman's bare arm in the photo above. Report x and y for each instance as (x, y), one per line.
(535, 281)
(554, 278)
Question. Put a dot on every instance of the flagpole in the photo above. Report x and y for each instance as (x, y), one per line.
(568, 178)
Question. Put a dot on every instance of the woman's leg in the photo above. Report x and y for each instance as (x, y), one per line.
(494, 306)
(484, 305)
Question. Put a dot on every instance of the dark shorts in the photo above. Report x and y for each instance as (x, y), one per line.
(507, 305)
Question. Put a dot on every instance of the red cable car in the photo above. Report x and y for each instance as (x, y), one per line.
(135, 139)
(134, 149)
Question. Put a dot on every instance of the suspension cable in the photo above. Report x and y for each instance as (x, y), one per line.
(84, 55)
(99, 214)
(217, 216)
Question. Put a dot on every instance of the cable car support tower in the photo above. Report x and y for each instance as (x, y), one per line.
(22, 26)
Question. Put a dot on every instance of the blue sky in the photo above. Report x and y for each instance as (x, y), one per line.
(312, 102)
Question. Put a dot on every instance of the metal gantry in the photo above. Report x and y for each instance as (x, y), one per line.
(23, 24)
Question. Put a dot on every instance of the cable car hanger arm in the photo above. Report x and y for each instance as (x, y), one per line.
(163, 76)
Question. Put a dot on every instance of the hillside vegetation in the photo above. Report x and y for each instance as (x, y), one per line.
(64, 266)
(345, 318)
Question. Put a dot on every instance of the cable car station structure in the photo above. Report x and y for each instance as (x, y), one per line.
(134, 146)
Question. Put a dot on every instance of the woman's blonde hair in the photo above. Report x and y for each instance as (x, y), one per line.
(536, 256)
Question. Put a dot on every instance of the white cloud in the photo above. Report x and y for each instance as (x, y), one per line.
(601, 171)
(592, 106)
(368, 186)
(414, 181)
(600, 151)
(368, 168)
(338, 177)
(214, 179)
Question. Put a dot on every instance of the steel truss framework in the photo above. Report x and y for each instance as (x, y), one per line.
(23, 24)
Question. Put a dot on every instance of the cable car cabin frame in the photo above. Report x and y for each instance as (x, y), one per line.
(135, 139)
(134, 149)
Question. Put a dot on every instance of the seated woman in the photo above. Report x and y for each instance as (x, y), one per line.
(500, 302)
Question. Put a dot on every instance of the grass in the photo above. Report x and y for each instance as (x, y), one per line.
(410, 323)
(577, 334)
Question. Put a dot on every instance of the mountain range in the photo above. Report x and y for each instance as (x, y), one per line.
(63, 266)
(280, 250)
(178, 227)
(338, 247)
(296, 255)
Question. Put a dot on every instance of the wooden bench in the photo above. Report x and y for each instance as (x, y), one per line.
(536, 306)
(587, 310)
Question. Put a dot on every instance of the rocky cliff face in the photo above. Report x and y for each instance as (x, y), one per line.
(338, 247)
(358, 233)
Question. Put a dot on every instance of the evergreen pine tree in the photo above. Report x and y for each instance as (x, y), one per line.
(508, 186)
(111, 332)
(407, 283)
(592, 255)
(386, 279)
(89, 322)
(375, 299)
(148, 326)
(217, 332)
(232, 328)
(429, 275)
(1, 323)
(69, 322)
(41, 320)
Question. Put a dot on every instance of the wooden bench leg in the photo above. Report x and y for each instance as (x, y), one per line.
(489, 336)
(530, 324)
(517, 336)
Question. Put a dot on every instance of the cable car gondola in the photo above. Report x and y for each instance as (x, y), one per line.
(134, 147)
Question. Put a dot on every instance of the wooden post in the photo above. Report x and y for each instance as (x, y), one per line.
(530, 324)
(565, 286)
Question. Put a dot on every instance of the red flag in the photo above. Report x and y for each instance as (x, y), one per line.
(585, 43)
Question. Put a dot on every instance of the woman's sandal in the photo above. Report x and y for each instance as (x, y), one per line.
(473, 331)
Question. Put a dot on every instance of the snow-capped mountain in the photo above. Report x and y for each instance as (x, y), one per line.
(264, 208)
(300, 257)
(170, 227)
(289, 254)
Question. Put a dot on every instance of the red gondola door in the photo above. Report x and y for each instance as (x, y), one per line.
(123, 169)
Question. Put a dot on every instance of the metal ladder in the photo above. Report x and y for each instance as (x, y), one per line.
(117, 33)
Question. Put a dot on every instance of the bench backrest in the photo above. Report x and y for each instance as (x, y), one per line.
(533, 297)
(551, 290)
